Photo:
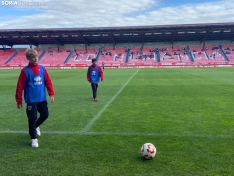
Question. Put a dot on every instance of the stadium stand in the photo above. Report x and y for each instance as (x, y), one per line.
(20, 58)
(140, 56)
(207, 54)
(136, 56)
(214, 54)
(6, 55)
(149, 55)
(80, 56)
(198, 54)
(109, 55)
(53, 56)
(176, 55)
(229, 51)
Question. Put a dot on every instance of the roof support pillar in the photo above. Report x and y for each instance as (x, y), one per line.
(113, 40)
(58, 47)
(82, 37)
(204, 44)
(142, 36)
(4, 47)
(206, 35)
(172, 40)
(86, 47)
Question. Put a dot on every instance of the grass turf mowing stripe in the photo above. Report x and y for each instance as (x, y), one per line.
(125, 134)
(90, 124)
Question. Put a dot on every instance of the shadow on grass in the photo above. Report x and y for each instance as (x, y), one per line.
(142, 159)
(12, 141)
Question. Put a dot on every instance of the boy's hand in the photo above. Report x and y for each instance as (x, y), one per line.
(52, 99)
(102, 80)
(19, 106)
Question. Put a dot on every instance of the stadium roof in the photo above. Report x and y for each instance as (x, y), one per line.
(126, 34)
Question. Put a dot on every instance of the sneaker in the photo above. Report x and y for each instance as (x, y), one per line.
(95, 99)
(34, 143)
(38, 131)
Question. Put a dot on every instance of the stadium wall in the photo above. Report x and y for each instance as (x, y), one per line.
(138, 45)
(67, 46)
(121, 67)
(105, 45)
(219, 42)
(128, 65)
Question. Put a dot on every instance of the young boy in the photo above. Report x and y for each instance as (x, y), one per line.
(93, 76)
(33, 80)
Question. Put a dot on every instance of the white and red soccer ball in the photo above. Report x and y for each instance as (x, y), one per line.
(148, 151)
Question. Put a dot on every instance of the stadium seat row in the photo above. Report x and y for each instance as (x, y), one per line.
(136, 55)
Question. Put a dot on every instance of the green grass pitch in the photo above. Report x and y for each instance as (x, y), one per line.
(186, 113)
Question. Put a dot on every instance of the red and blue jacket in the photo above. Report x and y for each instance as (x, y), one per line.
(94, 74)
(33, 80)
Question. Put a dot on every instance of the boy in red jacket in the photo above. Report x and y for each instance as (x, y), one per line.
(93, 76)
(33, 80)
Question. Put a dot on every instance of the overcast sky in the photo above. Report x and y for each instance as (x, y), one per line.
(93, 13)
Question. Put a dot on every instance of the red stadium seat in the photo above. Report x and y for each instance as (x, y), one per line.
(52, 56)
(5, 55)
(200, 56)
(175, 55)
(142, 56)
(80, 56)
(230, 52)
(137, 56)
(208, 55)
(20, 58)
(111, 56)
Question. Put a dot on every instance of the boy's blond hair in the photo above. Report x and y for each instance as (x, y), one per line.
(31, 53)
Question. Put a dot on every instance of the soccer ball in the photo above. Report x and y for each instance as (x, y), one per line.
(148, 151)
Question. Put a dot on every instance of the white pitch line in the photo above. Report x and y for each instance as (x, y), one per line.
(93, 120)
(126, 134)
(162, 134)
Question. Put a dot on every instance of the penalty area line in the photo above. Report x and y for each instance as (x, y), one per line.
(96, 117)
(210, 136)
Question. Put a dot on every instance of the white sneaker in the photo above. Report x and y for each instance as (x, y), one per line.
(38, 131)
(34, 143)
